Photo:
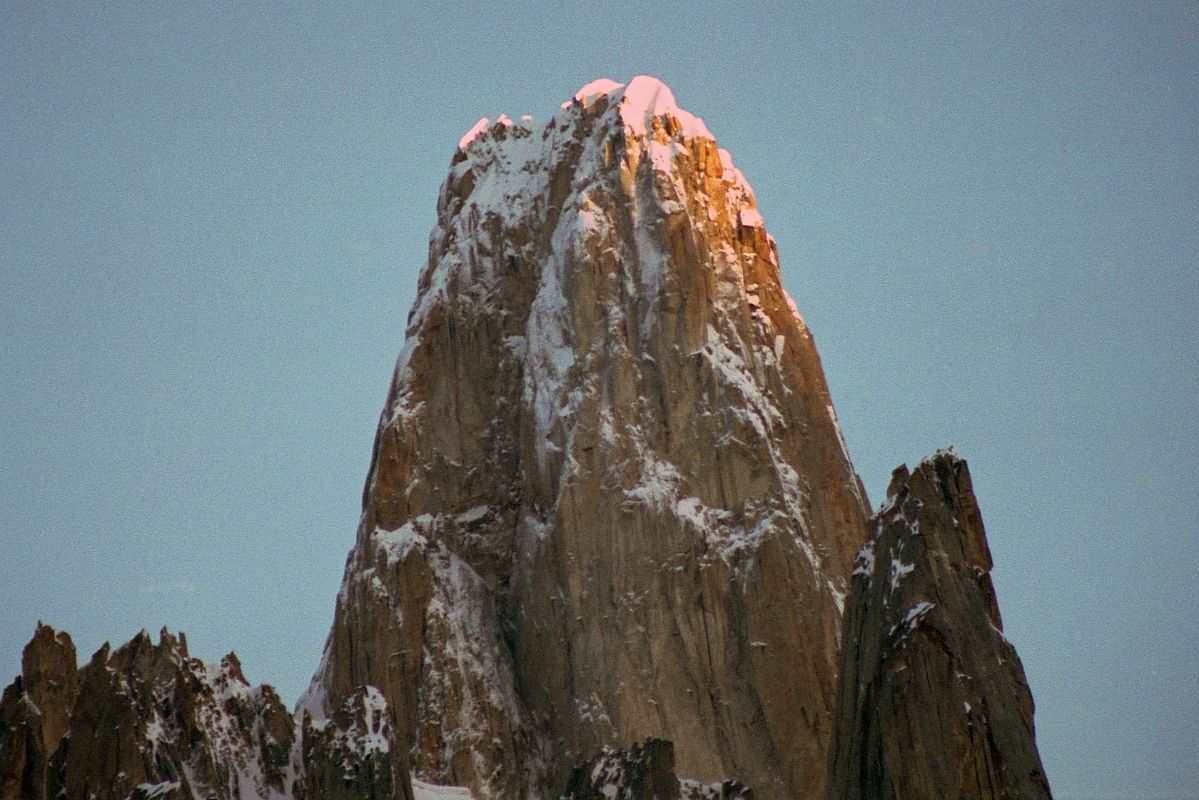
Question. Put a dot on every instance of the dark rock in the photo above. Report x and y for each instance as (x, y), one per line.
(151, 720)
(932, 701)
(35, 712)
(644, 772)
(354, 755)
(51, 677)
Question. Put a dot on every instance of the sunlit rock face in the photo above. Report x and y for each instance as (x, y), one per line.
(609, 500)
(932, 698)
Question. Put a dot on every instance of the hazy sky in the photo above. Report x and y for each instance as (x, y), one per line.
(212, 219)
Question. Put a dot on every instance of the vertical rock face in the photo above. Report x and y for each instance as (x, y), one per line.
(609, 499)
(50, 672)
(35, 712)
(22, 751)
(932, 698)
(149, 721)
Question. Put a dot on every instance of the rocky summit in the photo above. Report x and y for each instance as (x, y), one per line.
(607, 537)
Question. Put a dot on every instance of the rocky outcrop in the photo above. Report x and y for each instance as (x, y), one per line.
(932, 698)
(152, 721)
(149, 721)
(609, 500)
(353, 755)
(644, 772)
(35, 712)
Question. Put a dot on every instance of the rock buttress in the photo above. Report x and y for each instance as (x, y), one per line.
(932, 698)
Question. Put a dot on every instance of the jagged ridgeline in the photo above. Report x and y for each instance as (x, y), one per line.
(607, 532)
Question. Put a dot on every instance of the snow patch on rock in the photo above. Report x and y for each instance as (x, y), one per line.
(432, 791)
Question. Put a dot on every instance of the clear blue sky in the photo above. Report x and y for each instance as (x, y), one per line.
(211, 223)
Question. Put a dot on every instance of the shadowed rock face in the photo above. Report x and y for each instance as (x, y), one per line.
(35, 712)
(609, 500)
(149, 721)
(932, 701)
(150, 716)
(353, 756)
(644, 772)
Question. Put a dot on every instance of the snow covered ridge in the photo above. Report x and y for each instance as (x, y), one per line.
(502, 180)
(511, 162)
(643, 99)
(639, 102)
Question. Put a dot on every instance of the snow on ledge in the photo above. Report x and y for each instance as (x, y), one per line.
(431, 791)
(646, 98)
(594, 90)
(475, 130)
(154, 791)
(750, 218)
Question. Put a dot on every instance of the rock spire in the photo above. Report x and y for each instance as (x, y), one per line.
(932, 698)
(609, 500)
(148, 721)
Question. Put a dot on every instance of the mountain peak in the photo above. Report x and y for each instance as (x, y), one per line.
(597, 88)
(608, 469)
(639, 102)
(634, 106)
(607, 540)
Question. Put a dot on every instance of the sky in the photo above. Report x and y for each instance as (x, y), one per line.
(212, 219)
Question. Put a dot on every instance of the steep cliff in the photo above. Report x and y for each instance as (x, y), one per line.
(932, 698)
(609, 499)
